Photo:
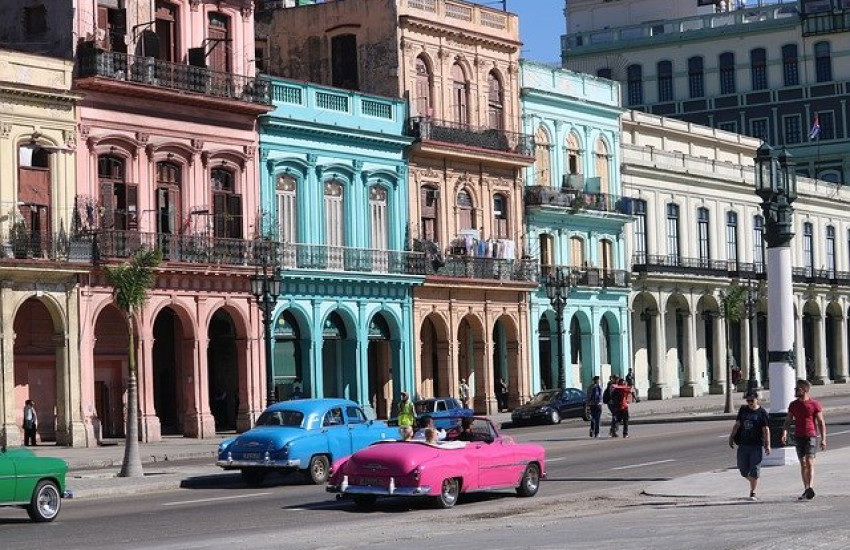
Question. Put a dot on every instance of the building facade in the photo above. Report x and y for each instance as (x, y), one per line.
(334, 179)
(39, 298)
(698, 230)
(458, 65)
(576, 218)
(685, 60)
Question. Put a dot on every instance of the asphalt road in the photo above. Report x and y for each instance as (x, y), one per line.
(591, 494)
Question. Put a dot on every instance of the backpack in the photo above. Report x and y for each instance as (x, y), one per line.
(606, 395)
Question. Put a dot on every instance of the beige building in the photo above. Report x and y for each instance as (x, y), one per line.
(457, 64)
(39, 292)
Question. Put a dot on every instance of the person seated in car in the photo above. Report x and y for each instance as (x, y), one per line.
(466, 433)
(427, 423)
(432, 436)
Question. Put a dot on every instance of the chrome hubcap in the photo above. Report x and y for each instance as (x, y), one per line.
(48, 501)
(450, 491)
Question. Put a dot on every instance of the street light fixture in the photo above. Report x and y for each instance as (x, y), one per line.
(266, 288)
(558, 286)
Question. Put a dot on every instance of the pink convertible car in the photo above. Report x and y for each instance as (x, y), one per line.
(472, 458)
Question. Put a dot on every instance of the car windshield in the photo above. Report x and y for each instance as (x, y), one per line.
(543, 397)
(291, 419)
(424, 407)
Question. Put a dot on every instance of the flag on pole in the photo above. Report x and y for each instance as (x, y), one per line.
(815, 131)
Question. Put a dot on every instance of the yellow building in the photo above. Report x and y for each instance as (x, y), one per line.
(38, 295)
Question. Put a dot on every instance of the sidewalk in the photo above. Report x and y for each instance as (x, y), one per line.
(93, 471)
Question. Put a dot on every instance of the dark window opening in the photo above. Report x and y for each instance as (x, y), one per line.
(35, 19)
(344, 73)
(227, 205)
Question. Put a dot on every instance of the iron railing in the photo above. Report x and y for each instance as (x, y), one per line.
(589, 276)
(826, 22)
(492, 269)
(340, 258)
(577, 200)
(20, 244)
(430, 129)
(173, 76)
(673, 264)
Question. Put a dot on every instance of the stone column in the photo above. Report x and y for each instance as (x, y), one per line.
(658, 388)
(821, 370)
(718, 384)
(841, 357)
(689, 386)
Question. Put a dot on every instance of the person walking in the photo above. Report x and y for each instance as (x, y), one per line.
(406, 413)
(463, 392)
(621, 394)
(630, 380)
(808, 420)
(608, 399)
(751, 432)
(30, 423)
(594, 405)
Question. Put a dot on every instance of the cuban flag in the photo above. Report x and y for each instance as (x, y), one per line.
(815, 131)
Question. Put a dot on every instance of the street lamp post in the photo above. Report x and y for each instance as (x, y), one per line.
(753, 293)
(558, 290)
(265, 286)
(776, 185)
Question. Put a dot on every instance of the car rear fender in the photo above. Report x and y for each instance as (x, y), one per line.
(309, 445)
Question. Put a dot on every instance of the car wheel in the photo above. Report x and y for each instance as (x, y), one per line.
(365, 502)
(554, 417)
(319, 469)
(253, 477)
(530, 482)
(45, 502)
(449, 492)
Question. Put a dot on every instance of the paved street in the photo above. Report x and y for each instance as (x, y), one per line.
(593, 496)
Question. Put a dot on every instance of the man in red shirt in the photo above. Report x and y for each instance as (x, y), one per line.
(806, 412)
(620, 396)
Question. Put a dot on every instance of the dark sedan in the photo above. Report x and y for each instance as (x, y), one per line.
(550, 406)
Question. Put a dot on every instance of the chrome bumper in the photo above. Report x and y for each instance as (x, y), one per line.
(345, 489)
(67, 494)
(231, 463)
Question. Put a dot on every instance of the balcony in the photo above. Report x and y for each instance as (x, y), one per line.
(355, 260)
(576, 200)
(828, 277)
(427, 129)
(826, 22)
(592, 277)
(119, 68)
(490, 269)
(699, 267)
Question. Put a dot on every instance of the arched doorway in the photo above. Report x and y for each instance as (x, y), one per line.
(167, 371)
(810, 319)
(546, 352)
(338, 364)
(35, 361)
(433, 358)
(470, 339)
(381, 368)
(506, 362)
(223, 371)
(288, 357)
(110, 371)
(581, 352)
(610, 345)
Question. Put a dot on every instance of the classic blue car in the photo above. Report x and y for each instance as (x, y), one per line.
(446, 411)
(305, 434)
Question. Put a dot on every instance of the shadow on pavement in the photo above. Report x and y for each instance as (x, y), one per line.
(233, 480)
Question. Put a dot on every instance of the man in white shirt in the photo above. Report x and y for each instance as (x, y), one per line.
(425, 424)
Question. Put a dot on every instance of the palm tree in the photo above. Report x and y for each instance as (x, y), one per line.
(131, 282)
(733, 310)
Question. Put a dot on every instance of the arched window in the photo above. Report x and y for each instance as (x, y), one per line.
(703, 236)
(34, 190)
(542, 160)
(429, 215)
(287, 208)
(732, 237)
(695, 77)
(465, 210)
(118, 199)
(168, 185)
(227, 205)
(790, 65)
(495, 101)
(500, 216)
(424, 87)
(459, 95)
(574, 162)
(602, 166)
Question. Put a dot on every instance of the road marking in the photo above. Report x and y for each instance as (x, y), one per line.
(548, 460)
(644, 464)
(838, 433)
(212, 499)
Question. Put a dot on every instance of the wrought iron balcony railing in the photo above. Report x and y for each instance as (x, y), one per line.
(339, 258)
(832, 21)
(672, 264)
(821, 276)
(492, 269)
(590, 276)
(576, 200)
(429, 129)
(173, 76)
(24, 244)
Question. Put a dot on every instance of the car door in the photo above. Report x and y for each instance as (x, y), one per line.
(7, 477)
(495, 458)
(568, 402)
(336, 433)
(359, 429)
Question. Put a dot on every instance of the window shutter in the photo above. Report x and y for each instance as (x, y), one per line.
(107, 204)
(235, 211)
(132, 206)
(219, 214)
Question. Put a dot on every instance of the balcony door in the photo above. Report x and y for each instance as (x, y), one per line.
(459, 96)
(379, 226)
(334, 223)
(34, 195)
(166, 32)
(168, 180)
(118, 199)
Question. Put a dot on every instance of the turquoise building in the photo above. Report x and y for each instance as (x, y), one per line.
(334, 198)
(576, 218)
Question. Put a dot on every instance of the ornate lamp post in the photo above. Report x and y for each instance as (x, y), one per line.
(265, 287)
(776, 185)
(558, 288)
(752, 302)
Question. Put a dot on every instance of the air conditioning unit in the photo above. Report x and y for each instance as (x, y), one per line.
(573, 181)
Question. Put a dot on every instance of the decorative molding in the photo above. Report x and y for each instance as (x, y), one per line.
(142, 138)
(194, 4)
(5, 129)
(246, 11)
(250, 151)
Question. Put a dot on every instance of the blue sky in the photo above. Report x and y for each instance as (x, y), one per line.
(541, 24)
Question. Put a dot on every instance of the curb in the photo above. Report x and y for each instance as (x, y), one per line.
(92, 464)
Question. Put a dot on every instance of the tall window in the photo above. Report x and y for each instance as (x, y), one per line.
(576, 252)
(790, 69)
(603, 166)
(378, 218)
(826, 119)
(167, 31)
(604, 342)
(830, 251)
(219, 38)
(732, 237)
(640, 231)
(500, 216)
(673, 250)
(495, 101)
(465, 210)
(634, 74)
(168, 186)
(547, 250)
(665, 81)
(695, 77)
(287, 209)
(118, 199)
(758, 244)
(424, 86)
(429, 213)
(727, 73)
(573, 155)
(542, 158)
(344, 70)
(759, 129)
(792, 129)
(334, 203)
(703, 237)
(758, 68)
(227, 205)
(808, 248)
(823, 62)
(606, 255)
(459, 95)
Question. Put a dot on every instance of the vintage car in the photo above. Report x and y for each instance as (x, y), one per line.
(33, 482)
(446, 411)
(550, 406)
(479, 459)
(304, 434)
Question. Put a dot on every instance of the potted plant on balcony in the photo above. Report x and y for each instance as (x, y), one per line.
(579, 203)
(19, 237)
